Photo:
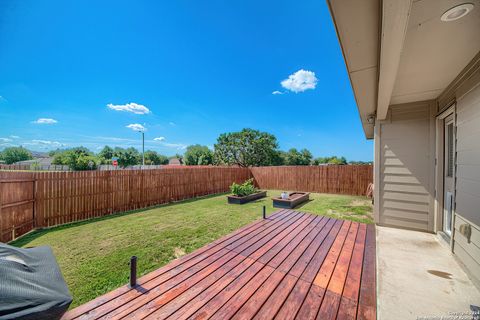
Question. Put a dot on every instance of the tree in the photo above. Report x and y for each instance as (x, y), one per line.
(127, 157)
(52, 153)
(152, 157)
(360, 162)
(198, 155)
(330, 160)
(14, 154)
(84, 162)
(246, 148)
(163, 160)
(337, 160)
(106, 155)
(278, 158)
(79, 158)
(298, 158)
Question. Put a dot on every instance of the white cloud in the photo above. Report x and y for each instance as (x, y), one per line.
(137, 127)
(178, 146)
(46, 143)
(111, 139)
(7, 144)
(129, 107)
(45, 121)
(5, 139)
(277, 92)
(172, 123)
(300, 81)
(14, 137)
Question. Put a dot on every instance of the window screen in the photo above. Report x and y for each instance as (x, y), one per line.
(450, 150)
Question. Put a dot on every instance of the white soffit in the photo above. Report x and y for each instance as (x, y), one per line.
(435, 52)
(357, 25)
(395, 15)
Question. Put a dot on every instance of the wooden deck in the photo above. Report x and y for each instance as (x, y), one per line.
(290, 265)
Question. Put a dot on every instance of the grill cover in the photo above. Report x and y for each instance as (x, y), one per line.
(31, 284)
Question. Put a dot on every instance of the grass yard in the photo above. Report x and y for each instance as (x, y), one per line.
(94, 255)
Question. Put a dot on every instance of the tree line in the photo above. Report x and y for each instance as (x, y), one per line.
(245, 148)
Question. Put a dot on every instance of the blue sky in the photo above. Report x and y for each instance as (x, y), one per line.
(200, 68)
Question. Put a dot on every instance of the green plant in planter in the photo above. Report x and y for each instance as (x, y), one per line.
(244, 189)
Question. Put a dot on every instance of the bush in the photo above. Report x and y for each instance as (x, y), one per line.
(298, 158)
(79, 158)
(153, 158)
(330, 160)
(244, 189)
(14, 154)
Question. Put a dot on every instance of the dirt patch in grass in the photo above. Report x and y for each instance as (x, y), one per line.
(178, 252)
(361, 203)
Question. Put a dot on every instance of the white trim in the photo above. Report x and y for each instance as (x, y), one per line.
(445, 113)
(376, 172)
(395, 14)
(439, 167)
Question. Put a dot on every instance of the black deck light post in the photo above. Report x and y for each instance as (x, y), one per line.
(264, 212)
(133, 272)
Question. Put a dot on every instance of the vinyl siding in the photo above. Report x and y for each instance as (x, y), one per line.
(467, 185)
(406, 162)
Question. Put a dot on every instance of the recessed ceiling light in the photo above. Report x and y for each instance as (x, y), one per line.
(457, 12)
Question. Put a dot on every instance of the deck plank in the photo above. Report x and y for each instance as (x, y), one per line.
(311, 304)
(368, 300)
(190, 278)
(290, 265)
(176, 265)
(81, 310)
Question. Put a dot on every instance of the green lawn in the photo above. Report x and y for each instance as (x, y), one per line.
(94, 255)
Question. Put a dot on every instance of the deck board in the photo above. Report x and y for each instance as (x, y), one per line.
(291, 265)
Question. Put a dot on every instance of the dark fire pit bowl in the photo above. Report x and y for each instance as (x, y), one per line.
(293, 200)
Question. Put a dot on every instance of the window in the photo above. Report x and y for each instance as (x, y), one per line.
(450, 154)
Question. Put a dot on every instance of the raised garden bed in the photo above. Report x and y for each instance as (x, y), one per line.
(293, 200)
(245, 199)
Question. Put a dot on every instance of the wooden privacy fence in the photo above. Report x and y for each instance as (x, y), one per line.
(31, 200)
(14, 166)
(346, 179)
(17, 201)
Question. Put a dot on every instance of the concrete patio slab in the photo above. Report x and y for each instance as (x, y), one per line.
(418, 277)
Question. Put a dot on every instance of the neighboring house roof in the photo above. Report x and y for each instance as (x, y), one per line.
(400, 51)
(40, 161)
(174, 161)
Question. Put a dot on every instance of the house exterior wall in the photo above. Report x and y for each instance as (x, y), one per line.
(467, 184)
(404, 175)
(405, 149)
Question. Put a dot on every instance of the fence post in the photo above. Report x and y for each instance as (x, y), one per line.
(34, 196)
(264, 212)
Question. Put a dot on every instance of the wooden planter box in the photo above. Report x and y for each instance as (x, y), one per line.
(251, 197)
(293, 200)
